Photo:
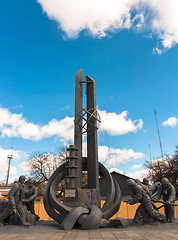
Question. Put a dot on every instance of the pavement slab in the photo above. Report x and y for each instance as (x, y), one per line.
(49, 230)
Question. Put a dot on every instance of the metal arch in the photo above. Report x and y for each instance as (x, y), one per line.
(58, 211)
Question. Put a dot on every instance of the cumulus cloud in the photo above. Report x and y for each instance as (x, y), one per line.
(171, 122)
(116, 170)
(138, 174)
(101, 17)
(135, 166)
(12, 124)
(111, 157)
(117, 124)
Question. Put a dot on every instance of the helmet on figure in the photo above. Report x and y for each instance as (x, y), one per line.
(165, 183)
(137, 181)
(130, 182)
(145, 181)
(30, 183)
(22, 179)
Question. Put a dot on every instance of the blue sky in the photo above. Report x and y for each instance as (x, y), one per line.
(128, 47)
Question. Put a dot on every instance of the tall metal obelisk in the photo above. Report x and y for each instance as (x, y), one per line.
(78, 122)
(86, 121)
(92, 144)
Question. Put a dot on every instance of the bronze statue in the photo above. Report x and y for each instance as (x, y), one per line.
(146, 209)
(167, 191)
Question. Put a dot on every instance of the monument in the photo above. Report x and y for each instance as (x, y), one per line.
(82, 206)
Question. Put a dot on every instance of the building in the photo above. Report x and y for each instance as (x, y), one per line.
(121, 180)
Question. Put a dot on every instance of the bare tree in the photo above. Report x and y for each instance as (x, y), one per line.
(165, 167)
(42, 165)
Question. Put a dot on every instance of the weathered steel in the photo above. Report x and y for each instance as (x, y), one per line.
(78, 119)
(92, 145)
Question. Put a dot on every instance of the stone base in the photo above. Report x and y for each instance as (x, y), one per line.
(88, 197)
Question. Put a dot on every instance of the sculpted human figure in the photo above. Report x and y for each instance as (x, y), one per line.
(167, 191)
(31, 192)
(145, 187)
(154, 187)
(3, 205)
(15, 197)
(146, 208)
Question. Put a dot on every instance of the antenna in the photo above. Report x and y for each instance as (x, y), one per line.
(10, 157)
(158, 135)
(150, 152)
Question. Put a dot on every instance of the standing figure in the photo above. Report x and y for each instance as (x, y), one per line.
(31, 192)
(15, 197)
(167, 191)
(146, 187)
(146, 209)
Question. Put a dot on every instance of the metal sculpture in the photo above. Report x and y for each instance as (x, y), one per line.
(167, 191)
(19, 208)
(146, 208)
(83, 205)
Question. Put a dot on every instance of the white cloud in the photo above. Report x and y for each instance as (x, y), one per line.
(95, 16)
(165, 21)
(24, 166)
(103, 16)
(135, 166)
(12, 124)
(117, 124)
(138, 174)
(111, 157)
(157, 51)
(116, 170)
(171, 122)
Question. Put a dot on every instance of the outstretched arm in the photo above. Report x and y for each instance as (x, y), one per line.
(35, 194)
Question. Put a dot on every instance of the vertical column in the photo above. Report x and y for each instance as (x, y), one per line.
(92, 145)
(78, 119)
(72, 166)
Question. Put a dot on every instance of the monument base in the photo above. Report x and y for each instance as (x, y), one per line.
(77, 197)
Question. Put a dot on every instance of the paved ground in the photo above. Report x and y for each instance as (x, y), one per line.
(49, 231)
